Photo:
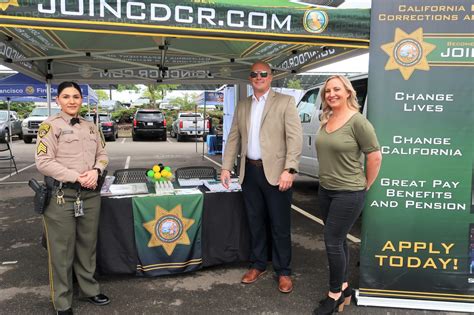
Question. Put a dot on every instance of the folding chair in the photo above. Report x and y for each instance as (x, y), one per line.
(130, 175)
(6, 155)
(201, 172)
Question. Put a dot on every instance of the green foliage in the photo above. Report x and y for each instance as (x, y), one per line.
(294, 84)
(22, 108)
(124, 115)
(156, 92)
(128, 87)
(102, 95)
(186, 102)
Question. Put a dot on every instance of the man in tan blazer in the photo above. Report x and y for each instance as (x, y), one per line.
(267, 131)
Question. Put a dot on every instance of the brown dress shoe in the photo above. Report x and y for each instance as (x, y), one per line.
(252, 275)
(284, 284)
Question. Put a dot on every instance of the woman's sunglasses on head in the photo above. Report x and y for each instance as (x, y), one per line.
(254, 74)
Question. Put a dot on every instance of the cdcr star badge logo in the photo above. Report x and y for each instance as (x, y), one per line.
(168, 229)
(408, 52)
(4, 4)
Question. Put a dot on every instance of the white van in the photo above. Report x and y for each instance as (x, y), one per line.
(309, 109)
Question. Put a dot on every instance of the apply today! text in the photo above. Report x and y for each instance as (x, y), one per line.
(392, 255)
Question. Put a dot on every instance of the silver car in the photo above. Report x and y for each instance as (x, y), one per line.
(9, 129)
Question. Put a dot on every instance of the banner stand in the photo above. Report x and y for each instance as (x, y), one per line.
(412, 304)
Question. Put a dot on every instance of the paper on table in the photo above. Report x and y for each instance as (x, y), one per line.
(129, 189)
(191, 182)
(216, 186)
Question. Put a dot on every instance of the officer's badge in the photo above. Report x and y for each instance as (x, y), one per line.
(43, 130)
(41, 148)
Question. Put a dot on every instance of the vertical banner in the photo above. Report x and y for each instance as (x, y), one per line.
(168, 233)
(417, 249)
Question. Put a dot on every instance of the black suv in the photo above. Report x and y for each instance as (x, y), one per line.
(109, 126)
(149, 123)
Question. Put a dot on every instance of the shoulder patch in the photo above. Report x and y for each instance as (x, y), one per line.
(44, 129)
(41, 148)
(103, 163)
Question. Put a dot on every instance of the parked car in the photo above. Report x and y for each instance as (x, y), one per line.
(149, 123)
(108, 125)
(9, 129)
(189, 124)
(31, 124)
(110, 105)
(309, 110)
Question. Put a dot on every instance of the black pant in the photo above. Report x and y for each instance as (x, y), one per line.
(339, 210)
(263, 203)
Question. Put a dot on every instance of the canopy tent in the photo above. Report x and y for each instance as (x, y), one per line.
(20, 87)
(174, 42)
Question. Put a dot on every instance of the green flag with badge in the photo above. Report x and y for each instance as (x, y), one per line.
(168, 233)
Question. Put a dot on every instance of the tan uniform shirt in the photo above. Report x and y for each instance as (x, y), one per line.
(64, 151)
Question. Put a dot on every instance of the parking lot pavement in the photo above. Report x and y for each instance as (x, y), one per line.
(24, 287)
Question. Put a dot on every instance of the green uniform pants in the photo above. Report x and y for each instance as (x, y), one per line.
(72, 244)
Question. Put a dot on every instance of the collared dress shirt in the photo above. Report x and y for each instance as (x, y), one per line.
(253, 146)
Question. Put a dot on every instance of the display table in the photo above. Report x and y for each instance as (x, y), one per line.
(224, 233)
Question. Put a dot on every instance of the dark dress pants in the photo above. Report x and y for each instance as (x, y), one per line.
(265, 204)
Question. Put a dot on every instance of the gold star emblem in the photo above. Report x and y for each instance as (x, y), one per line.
(168, 229)
(5, 3)
(408, 52)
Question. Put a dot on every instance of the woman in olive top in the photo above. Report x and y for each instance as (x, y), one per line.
(342, 138)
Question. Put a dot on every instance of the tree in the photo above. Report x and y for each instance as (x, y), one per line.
(156, 92)
(185, 102)
(102, 95)
(128, 87)
(294, 84)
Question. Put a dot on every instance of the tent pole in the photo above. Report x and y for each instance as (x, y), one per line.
(204, 125)
(9, 122)
(48, 95)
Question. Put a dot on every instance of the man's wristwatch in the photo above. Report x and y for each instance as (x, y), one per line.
(292, 171)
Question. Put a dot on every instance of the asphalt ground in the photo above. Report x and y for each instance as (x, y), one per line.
(24, 287)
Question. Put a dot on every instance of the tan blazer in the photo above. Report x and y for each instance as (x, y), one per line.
(281, 136)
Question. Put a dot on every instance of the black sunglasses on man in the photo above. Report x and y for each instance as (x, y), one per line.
(262, 74)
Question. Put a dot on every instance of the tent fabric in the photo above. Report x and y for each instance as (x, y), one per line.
(22, 88)
(164, 41)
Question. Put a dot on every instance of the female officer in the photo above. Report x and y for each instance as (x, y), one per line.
(70, 153)
(342, 138)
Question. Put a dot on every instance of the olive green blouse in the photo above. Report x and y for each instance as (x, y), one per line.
(339, 154)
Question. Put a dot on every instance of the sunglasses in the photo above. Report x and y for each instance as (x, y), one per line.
(254, 74)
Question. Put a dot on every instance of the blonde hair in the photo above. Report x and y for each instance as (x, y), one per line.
(351, 101)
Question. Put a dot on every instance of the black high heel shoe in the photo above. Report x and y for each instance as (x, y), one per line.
(329, 306)
(347, 293)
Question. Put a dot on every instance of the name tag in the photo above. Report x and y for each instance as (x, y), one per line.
(66, 132)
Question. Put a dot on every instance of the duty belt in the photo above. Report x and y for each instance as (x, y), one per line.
(257, 163)
(55, 183)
